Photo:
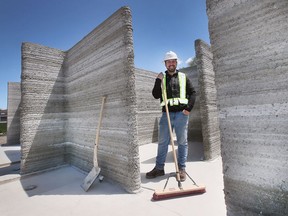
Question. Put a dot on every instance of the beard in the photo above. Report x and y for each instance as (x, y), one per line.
(171, 68)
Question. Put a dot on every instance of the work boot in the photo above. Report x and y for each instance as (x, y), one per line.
(155, 173)
(182, 174)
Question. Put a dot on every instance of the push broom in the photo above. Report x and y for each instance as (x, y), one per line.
(95, 171)
(180, 191)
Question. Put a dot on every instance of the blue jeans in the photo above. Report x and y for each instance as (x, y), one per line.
(179, 123)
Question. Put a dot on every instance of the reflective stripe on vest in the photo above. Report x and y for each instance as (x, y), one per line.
(182, 83)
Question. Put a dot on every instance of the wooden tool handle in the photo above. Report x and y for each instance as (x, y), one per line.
(95, 161)
(171, 133)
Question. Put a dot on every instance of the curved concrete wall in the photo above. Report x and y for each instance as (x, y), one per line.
(249, 41)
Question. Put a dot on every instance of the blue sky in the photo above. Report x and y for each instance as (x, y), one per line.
(158, 26)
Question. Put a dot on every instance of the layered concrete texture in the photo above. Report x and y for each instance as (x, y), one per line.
(195, 136)
(208, 98)
(249, 41)
(194, 126)
(148, 109)
(42, 116)
(61, 100)
(13, 113)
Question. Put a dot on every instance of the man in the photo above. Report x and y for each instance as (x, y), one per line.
(180, 98)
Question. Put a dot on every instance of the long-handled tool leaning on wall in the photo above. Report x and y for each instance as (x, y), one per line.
(95, 172)
(180, 191)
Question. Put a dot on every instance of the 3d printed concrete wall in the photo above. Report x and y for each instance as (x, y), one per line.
(148, 109)
(61, 97)
(208, 101)
(42, 116)
(249, 41)
(102, 64)
(194, 127)
(13, 117)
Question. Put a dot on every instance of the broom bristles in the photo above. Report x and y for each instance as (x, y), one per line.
(176, 192)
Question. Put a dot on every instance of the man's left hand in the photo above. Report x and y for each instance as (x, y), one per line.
(185, 112)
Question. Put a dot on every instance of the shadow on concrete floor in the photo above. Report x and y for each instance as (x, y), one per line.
(13, 168)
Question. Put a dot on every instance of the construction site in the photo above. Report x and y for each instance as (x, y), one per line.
(237, 130)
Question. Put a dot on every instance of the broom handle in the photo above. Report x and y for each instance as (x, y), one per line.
(95, 161)
(171, 133)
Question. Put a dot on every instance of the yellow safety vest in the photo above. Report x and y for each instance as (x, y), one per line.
(182, 99)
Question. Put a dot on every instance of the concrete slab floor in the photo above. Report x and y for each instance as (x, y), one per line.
(58, 192)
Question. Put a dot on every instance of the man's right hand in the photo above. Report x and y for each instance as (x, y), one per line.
(160, 76)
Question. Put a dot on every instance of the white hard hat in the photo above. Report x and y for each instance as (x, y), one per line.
(170, 55)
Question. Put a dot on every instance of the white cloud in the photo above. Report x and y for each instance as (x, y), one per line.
(189, 60)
